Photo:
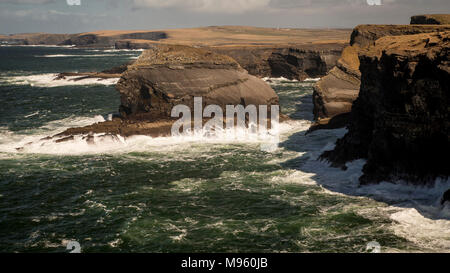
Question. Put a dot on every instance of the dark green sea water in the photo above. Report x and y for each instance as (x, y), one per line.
(167, 195)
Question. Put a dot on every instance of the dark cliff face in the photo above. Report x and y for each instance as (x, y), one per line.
(120, 41)
(87, 39)
(35, 39)
(400, 121)
(431, 19)
(294, 63)
(335, 93)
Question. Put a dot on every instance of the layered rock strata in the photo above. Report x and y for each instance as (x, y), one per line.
(400, 121)
(169, 75)
(335, 93)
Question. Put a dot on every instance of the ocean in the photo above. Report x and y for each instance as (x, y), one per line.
(144, 194)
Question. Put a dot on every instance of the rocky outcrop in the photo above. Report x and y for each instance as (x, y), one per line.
(400, 121)
(431, 19)
(291, 62)
(115, 72)
(169, 75)
(335, 93)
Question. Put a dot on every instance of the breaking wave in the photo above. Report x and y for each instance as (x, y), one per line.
(49, 80)
(35, 142)
(74, 55)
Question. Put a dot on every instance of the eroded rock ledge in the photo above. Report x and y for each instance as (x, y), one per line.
(400, 121)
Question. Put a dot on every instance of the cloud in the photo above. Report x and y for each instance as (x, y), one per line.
(28, 1)
(208, 6)
(242, 6)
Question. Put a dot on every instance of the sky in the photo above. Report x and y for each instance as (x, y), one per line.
(65, 16)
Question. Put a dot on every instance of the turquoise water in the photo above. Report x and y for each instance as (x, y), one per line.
(166, 195)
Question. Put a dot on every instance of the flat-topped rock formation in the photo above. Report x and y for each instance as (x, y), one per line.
(431, 19)
(400, 121)
(335, 93)
(168, 75)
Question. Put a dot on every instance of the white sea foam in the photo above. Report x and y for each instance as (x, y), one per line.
(433, 235)
(416, 210)
(32, 114)
(62, 46)
(49, 80)
(116, 50)
(283, 79)
(278, 80)
(32, 142)
(75, 55)
(312, 80)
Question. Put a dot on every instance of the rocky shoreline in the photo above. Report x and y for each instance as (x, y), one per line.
(391, 89)
(389, 86)
(400, 121)
(335, 93)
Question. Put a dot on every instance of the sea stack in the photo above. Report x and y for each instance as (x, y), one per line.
(168, 75)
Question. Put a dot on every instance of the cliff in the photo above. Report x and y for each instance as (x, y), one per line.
(294, 62)
(34, 39)
(88, 39)
(335, 93)
(400, 121)
(431, 19)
